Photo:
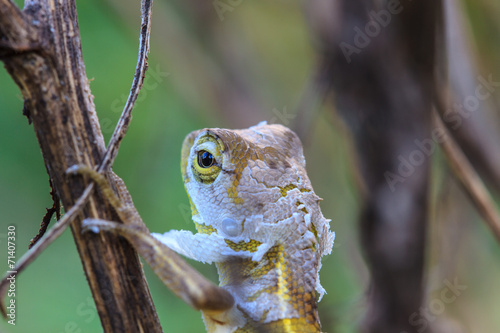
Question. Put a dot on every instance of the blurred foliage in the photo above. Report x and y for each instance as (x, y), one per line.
(52, 295)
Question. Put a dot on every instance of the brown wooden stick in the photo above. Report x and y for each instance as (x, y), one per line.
(51, 76)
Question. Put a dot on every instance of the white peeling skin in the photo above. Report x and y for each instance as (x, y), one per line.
(200, 247)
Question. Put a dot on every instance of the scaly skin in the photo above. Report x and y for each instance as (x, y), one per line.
(259, 221)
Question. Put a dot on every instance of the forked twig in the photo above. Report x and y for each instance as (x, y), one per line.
(111, 152)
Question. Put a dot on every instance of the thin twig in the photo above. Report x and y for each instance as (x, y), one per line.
(38, 248)
(142, 66)
(470, 180)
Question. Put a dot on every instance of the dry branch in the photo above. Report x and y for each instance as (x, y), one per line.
(46, 63)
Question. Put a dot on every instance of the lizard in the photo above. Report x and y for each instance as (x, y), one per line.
(258, 219)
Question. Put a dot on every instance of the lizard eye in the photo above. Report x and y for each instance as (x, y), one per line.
(205, 159)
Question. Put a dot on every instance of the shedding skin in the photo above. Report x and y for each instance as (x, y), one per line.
(258, 219)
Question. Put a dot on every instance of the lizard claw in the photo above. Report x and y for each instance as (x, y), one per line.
(76, 169)
(95, 225)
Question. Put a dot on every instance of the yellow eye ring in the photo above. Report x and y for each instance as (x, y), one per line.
(207, 159)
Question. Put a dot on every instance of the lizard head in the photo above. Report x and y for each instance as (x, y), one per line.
(233, 174)
(260, 222)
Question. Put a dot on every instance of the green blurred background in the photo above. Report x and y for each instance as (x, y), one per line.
(182, 93)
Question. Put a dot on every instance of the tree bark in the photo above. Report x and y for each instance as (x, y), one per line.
(40, 47)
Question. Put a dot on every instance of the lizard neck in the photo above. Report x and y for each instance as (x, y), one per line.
(278, 292)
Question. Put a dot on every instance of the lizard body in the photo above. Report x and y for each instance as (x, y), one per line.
(258, 219)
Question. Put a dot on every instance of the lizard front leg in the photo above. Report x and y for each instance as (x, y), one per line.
(186, 282)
